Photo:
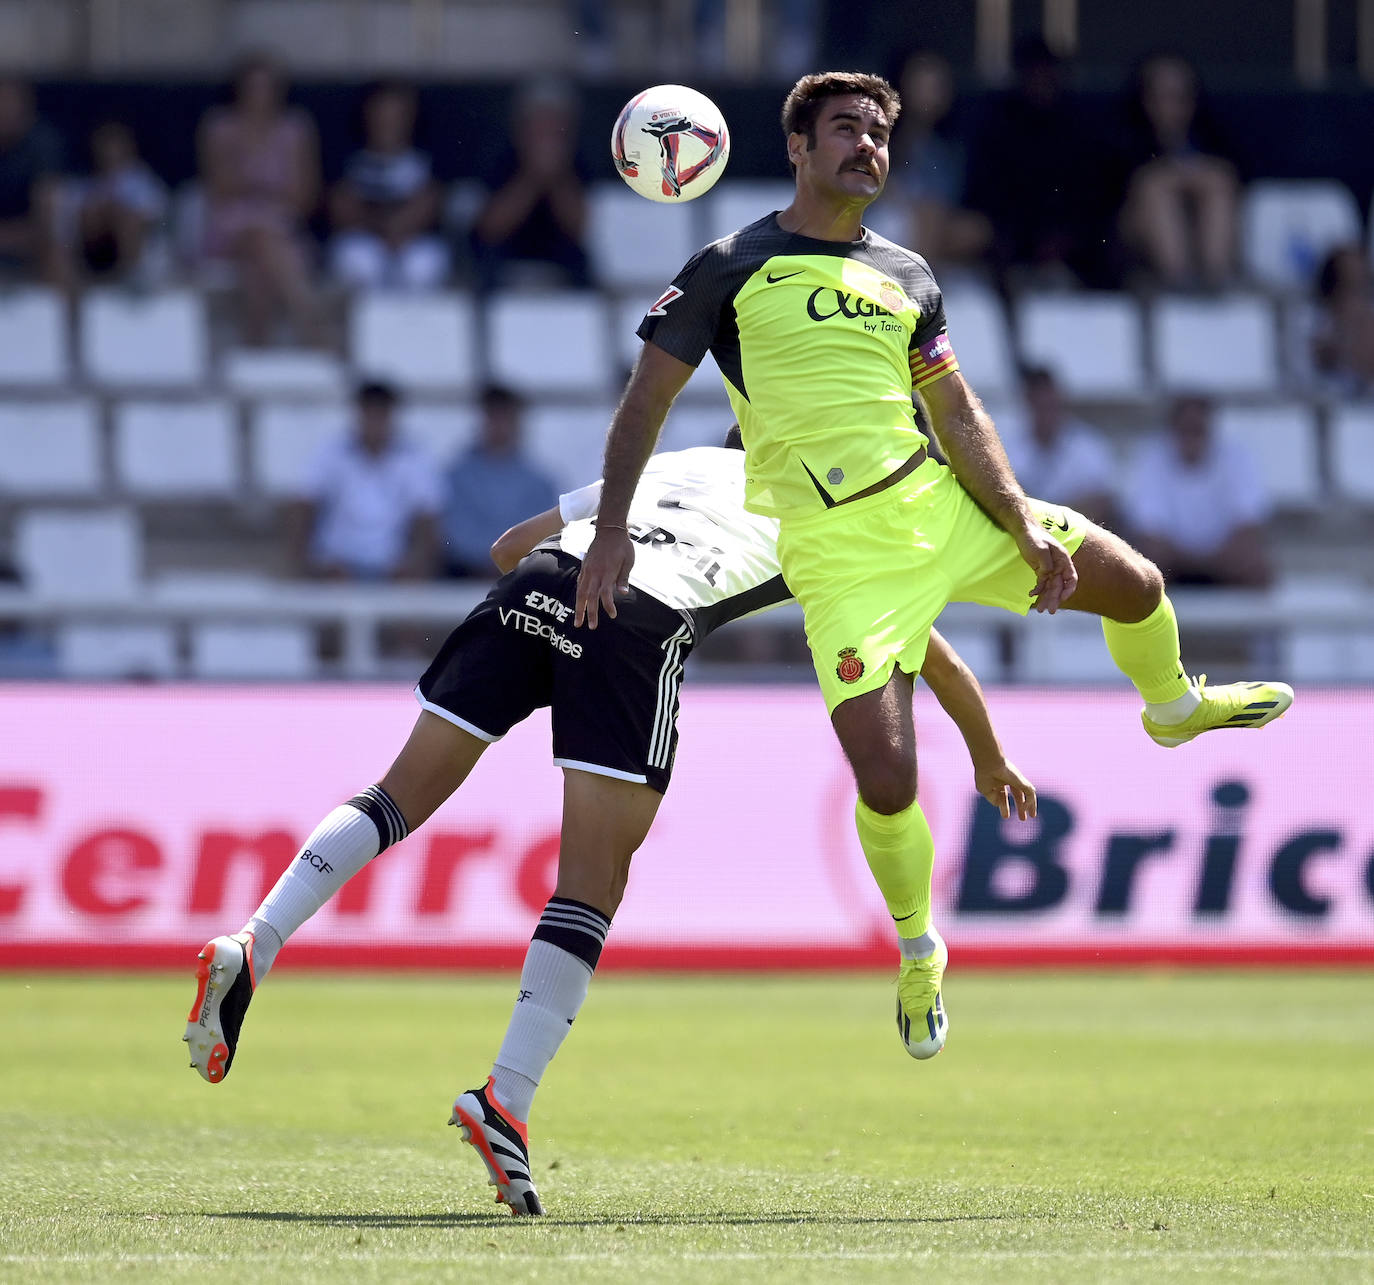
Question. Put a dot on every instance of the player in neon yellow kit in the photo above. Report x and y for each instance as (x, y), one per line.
(824, 332)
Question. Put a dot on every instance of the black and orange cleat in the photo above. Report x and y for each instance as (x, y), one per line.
(224, 989)
(504, 1145)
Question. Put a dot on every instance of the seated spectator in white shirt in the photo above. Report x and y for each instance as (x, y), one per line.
(385, 208)
(491, 486)
(368, 507)
(1196, 505)
(1056, 456)
(122, 207)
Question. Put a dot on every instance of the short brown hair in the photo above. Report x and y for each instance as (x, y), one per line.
(803, 103)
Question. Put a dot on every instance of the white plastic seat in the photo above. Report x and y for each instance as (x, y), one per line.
(704, 386)
(49, 448)
(267, 372)
(99, 650)
(733, 204)
(1063, 648)
(34, 348)
(636, 243)
(567, 442)
(978, 333)
(979, 647)
(419, 340)
(270, 651)
(1223, 346)
(137, 340)
(1283, 440)
(1093, 343)
(283, 438)
(71, 553)
(553, 342)
(1289, 225)
(1351, 444)
(170, 449)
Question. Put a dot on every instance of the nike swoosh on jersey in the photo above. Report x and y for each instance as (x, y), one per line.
(772, 280)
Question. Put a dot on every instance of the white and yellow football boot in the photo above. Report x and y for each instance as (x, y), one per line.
(1230, 705)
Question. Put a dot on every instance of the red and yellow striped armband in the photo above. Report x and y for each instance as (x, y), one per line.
(932, 360)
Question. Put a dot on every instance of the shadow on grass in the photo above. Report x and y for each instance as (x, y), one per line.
(780, 1218)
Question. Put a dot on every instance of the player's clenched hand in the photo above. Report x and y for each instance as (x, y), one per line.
(1055, 575)
(996, 781)
(605, 573)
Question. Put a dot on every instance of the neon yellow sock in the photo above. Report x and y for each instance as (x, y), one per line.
(1148, 653)
(901, 855)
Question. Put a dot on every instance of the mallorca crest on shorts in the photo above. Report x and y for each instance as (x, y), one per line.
(850, 668)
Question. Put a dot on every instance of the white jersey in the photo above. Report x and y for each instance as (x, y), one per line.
(698, 549)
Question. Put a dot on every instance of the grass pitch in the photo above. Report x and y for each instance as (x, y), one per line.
(1078, 1128)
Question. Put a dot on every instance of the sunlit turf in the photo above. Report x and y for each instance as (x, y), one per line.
(1091, 1127)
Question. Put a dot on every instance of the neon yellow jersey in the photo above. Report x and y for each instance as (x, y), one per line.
(821, 345)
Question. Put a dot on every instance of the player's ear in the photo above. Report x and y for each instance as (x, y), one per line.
(796, 146)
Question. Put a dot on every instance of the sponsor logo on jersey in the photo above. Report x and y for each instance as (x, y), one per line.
(850, 668)
(560, 611)
(826, 302)
(784, 276)
(523, 622)
(936, 350)
(660, 308)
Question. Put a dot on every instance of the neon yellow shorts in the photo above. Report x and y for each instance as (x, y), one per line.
(873, 575)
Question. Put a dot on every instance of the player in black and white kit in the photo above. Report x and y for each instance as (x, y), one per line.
(703, 560)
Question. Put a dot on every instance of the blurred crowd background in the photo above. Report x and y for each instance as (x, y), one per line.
(303, 302)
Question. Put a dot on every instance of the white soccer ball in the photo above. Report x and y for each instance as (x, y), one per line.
(670, 143)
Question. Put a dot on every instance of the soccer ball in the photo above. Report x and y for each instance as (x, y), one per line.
(670, 143)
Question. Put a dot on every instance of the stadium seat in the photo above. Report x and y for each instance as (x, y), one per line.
(1314, 654)
(165, 450)
(732, 204)
(554, 342)
(1222, 346)
(567, 441)
(92, 554)
(704, 386)
(1094, 343)
(268, 372)
(34, 348)
(1064, 648)
(49, 448)
(634, 243)
(1283, 439)
(88, 649)
(978, 331)
(283, 438)
(980, 647)
(1351, 444)
(443, 427)
(144, 340)
(688, 425)
(419, 341)
(1289, 225)
(270, 651)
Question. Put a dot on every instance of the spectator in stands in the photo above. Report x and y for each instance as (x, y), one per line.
(491, 487)
(532, 223)
(385, 208)
(1343, 344)
(929, 166)
(368, 508)
(121, 208)
(259, 162)
(1180, 210)
(30, 162)
(1196, 505)
(1046, 184)
(1055, 455)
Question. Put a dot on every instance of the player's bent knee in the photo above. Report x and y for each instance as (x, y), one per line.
(889, 791)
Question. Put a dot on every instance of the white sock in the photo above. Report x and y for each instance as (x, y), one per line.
(341, 845)
(1176, 710)
(558, 970)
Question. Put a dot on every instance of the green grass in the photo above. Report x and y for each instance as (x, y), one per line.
(1086, 1128)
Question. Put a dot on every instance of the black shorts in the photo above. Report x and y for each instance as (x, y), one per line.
(613, 690)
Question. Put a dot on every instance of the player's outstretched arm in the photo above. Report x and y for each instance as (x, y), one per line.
(975, 453)
(655, 381)
(514, 544)
(957, 690)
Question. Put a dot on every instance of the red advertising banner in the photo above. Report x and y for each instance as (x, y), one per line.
(136, 822)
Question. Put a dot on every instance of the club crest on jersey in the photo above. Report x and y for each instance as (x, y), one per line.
(890, 296)
(660, 308)
(850, 668)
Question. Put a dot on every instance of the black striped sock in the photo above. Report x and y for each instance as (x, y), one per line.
(381, 810)
(574, 926)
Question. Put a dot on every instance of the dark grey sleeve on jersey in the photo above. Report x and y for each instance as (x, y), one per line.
(685, 319)
(924, 290)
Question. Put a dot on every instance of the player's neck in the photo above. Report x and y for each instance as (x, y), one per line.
(823, 221)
